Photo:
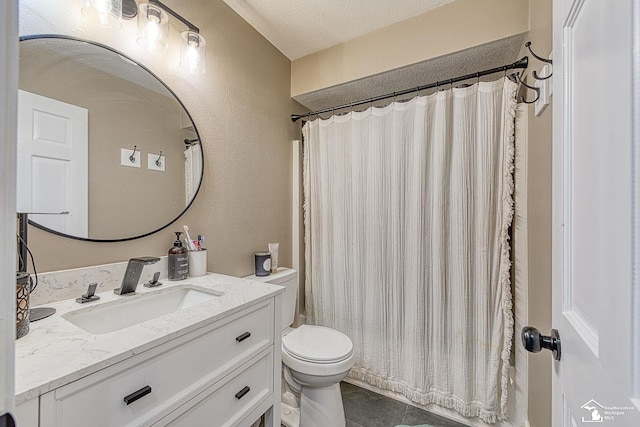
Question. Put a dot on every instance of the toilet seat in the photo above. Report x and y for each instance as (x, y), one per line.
(317, 344)
(317, 351)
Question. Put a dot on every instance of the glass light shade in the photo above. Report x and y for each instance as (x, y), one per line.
(105, 13)
(153, 28)
(193, 53)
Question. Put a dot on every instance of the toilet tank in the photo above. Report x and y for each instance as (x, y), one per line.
(289, 279)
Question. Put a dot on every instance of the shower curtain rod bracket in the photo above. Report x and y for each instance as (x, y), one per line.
(522, 63)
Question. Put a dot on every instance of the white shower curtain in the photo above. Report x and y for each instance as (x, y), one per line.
(407, 211)
(192, 171)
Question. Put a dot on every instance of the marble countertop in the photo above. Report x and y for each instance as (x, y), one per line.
(55, 352)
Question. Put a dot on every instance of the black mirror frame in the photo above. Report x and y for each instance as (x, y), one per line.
(124, 239)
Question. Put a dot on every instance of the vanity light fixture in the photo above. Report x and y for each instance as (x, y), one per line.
(106, 13)
(192, 52)
(153, 28)
(153, 33)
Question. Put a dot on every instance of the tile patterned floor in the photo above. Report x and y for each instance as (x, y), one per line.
(364, 408)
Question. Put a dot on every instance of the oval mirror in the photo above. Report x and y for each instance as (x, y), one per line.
(106, 151)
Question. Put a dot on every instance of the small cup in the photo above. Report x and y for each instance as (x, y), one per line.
(197, 263)
(263, 263)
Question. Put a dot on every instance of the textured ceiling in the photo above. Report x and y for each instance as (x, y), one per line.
(301, 27)
(468, 61)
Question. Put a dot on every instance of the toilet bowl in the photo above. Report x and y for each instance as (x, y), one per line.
(315, 359)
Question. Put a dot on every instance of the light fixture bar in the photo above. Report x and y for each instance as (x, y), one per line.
(175, 15)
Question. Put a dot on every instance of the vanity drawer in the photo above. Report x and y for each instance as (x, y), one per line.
(174, 372)
(229, 401)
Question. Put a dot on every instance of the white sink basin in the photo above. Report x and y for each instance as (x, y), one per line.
(132, 310)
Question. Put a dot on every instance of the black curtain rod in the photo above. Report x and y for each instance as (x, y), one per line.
(521, 63)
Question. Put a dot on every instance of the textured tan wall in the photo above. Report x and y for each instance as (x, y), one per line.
(539, 214)
(450, 28)
(241, 108)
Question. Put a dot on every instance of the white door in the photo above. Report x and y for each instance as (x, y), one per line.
(8, 97)
(53, 163)
(595, 307)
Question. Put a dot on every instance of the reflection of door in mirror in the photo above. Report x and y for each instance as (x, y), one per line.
(53, 163)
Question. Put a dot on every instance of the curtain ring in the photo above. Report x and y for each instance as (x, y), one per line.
(478, 77)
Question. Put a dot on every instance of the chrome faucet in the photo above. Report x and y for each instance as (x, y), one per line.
(132, 275)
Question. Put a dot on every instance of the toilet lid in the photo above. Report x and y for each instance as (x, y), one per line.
(317, 344)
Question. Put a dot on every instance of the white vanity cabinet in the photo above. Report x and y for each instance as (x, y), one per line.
(225, 373)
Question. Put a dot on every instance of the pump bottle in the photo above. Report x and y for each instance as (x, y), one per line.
(178, 260)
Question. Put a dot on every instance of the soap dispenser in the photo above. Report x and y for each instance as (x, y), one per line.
(178, 260)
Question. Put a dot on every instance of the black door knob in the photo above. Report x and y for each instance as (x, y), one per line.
(534, 341)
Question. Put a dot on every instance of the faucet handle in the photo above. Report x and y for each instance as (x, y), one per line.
(90, 295)
(152, 283)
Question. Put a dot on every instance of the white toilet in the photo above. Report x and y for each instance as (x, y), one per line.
(315, 359)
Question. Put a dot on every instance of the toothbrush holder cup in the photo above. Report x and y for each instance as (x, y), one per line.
(197, 263)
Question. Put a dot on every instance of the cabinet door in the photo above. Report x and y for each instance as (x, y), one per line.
(26, 413)
(238, 400)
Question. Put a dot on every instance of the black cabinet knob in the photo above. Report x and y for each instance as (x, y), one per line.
(534, 341)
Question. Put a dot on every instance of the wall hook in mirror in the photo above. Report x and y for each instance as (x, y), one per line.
(132, 157)
(158, 162)
(533, 88)
(539, 58)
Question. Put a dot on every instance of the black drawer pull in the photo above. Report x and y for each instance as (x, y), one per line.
(137, 395)
(242, 392)
(243, 336)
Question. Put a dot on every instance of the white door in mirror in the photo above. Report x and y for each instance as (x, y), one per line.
(53, 163)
